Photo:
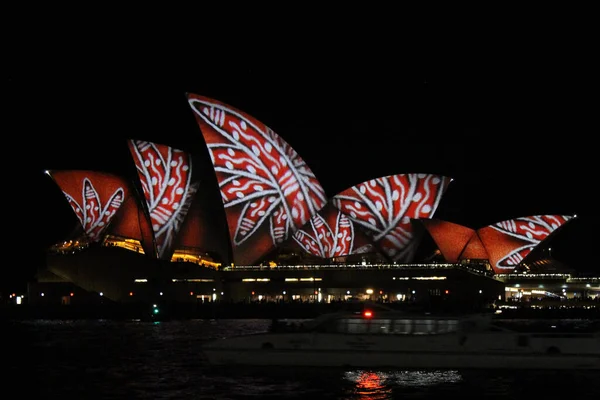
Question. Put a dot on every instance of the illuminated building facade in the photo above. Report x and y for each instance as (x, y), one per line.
(260, 226)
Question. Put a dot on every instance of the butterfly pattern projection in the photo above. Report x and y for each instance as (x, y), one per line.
(267, 189)
(166, 177)
(330, 233)
(94, 197)
(385, 206)
(509, 242)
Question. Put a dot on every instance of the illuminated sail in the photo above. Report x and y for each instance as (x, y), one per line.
(474, 250)
(203, 229)
(267, 189)
(509, 242)
(165, 174)
(95, 197)
(330, 233)
(132, 222)
(385, 206)
(452, 239)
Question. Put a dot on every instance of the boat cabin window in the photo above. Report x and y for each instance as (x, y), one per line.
(390, 326)
(424, 327)
(402, 327)
(447, 325)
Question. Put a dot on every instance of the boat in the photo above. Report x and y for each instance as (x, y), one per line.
(394, 339)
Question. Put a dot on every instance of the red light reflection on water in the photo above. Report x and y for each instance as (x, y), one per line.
(371, 386)
(378, 385)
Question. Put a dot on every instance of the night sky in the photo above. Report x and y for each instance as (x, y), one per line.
(516, 133)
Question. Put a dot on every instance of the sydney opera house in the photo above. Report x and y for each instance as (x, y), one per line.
(258, 226)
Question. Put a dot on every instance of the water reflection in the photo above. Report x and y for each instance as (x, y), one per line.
(377, 385)
(369, 385)
(148, 361)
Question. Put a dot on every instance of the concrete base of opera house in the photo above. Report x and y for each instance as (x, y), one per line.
(116, 283)
(124, 276)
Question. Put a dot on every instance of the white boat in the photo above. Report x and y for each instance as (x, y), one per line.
(392, 339)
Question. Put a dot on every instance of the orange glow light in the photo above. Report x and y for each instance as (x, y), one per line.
(368, 314)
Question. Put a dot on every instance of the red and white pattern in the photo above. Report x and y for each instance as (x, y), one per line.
(261, 177)
(324, 240)
(519, 237)
(166, 177)
(385, 206)
(93, 215)
(95, 197)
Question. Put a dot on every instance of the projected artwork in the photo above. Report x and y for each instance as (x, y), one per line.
(330, 234)
(132, 222)
(474, 250)
(204, 228)
(95, 197)
(509, 242)
(384, 208)
(166, 177)
(268, 191)
(455, 242)
(451, 239)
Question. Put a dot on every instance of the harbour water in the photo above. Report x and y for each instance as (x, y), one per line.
(106, 359)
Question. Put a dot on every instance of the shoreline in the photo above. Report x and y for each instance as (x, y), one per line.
(176, 311)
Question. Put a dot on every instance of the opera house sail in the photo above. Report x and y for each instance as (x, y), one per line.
(331, 234)
(384, 207)
(165, 175)
(504, 244)
(509, 242)
(95, 198)
(267, 189)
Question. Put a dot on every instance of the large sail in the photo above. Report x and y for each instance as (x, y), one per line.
(95, 198)
(384, 207)
(165, 174)
(509, 242)
(267, 189)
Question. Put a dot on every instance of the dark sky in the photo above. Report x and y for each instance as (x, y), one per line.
(516, 131)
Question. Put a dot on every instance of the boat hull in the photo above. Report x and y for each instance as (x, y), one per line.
(404, 360)
(489, 350)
